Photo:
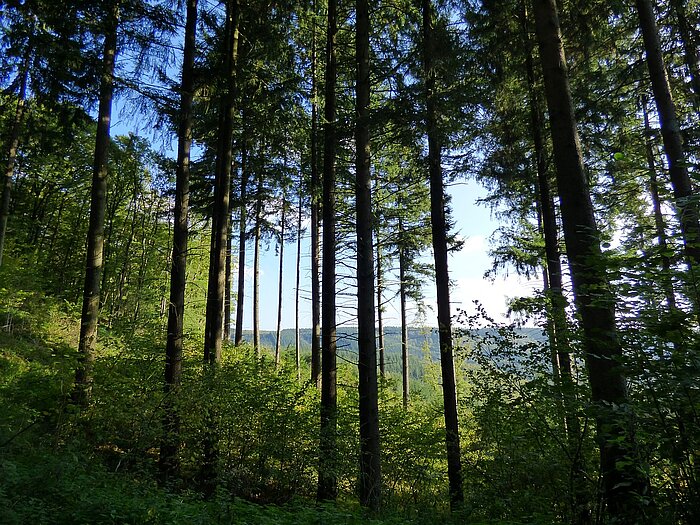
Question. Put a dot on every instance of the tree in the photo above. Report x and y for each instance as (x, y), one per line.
(242, 237)
(93, 272)
(689, 35)
(442, 279)
(623, 485)
(370, 466)
(224, 158)
(315, 189)
(257, 235)
(169, 446)
(687, 207)
(280, 277)
(12, 149)
(297, 288)
(327, 480)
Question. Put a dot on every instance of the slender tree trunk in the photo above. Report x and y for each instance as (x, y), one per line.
(110, 215)
(57, 223)
(242, 230)
(256, 269)
(217, 261)
(278, 338)
(690, 48)
(370, 462)
(168, 462)
(12, 151)
(217, 277)
(327, 477)
(124, 272)
(404, 324)
(442, 278)
(622, 480)
(405, 366)
(95, 240)
(297, 324)
(147, 248)
(659, 221)
(227, 287)
(380, 309)
(686, 204)
(315, 233)
(550, 228)
(557, 303)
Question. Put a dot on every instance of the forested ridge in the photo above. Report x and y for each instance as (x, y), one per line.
(152, 148)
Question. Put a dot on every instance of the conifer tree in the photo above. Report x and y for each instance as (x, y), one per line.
(222, 187)
(370, 466)
(623, 485)
(95, 256)
(442, 280)
(168, 461)
(327, 480)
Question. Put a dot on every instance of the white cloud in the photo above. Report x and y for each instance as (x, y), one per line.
(493, 295)
(473, 244)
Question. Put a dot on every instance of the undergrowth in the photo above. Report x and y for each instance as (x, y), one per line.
(61, 465)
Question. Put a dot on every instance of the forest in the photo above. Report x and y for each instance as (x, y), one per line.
(152, 147)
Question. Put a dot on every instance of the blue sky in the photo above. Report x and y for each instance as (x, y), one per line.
(473, 222)
(467, 267)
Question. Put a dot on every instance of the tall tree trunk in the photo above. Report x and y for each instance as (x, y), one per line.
(380, 309)
(442, 279)
(327, 477)
(242, 230)
(690, 48)
(686, 204)
(278, 338)
(404, 324)
(168, 462)
(370, 462)
(256, 268)
(297, 324)
(213, 335)
(217, 260)
(227, 287)
(12, 151)
(557, 303)
(622, 481)
(315, 233)
(98, 198)
(659, 221)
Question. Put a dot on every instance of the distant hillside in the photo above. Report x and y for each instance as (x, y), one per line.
(420, 340)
